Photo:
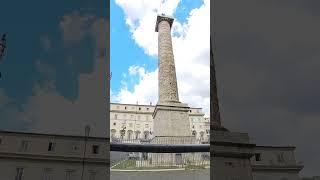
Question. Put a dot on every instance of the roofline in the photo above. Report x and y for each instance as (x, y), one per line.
(146, 105)
(277, 147)
(133, 104)
(57, 135)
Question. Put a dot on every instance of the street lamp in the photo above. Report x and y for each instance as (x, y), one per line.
(3, 46)
(87, 133)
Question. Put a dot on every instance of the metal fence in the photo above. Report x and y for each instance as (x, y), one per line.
(159, 153)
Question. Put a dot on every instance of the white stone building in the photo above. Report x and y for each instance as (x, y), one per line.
(134, 121)
(275, 163)
(26, 156)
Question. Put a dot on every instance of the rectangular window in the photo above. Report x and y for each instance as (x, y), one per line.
(280, 157)
(19, 173)
(92, 175)
(74, 147)
(95, 149)
(47, 174)
(51, 146)
(258, 156)
(69, 175)
(24, 146)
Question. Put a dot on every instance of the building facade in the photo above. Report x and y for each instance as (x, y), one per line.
(134, 122)
(275, 163)
(25, 156)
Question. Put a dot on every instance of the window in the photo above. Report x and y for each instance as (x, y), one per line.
(258, 156)
(69, 174)
(74, 147)
(113, 133)
(19, 173)
(117, 107)
(24, 146)
(125, 107)
(131, 116)
(280, 157)
(193, 126)
(147, 125)
(92, 175)
(228, 164)
(47, 174)
(139, 108)
(0, 141)
(116, 116)
(147, 109)
(114, 124)
(190, 110)
(194, 133)
(51, 146)
(95, 149)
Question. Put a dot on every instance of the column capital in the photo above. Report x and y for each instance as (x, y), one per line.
(163, 17)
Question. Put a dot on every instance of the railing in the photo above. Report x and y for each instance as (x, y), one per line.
(166, 153)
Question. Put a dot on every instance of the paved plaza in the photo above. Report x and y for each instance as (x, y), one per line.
(162, 175)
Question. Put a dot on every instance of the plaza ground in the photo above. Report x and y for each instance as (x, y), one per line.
(203, 174)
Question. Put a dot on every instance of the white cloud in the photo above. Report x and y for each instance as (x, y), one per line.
(49, 111)
(144, 92)
(191, 51)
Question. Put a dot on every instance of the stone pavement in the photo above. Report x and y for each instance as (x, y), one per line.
(164, 175)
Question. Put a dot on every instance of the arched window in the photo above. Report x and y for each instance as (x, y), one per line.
(146, 134)
(122, 133)
(130, 132)
(202, 135)
(194, 133)
(113, 133)
(137, 134)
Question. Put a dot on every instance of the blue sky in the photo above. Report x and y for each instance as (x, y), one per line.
(124, 50)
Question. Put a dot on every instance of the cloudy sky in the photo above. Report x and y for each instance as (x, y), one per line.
(53, 73)
(267, 57)
(134, 50)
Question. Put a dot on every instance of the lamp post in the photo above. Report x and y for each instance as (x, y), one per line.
(2, 47)
(87, 133)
